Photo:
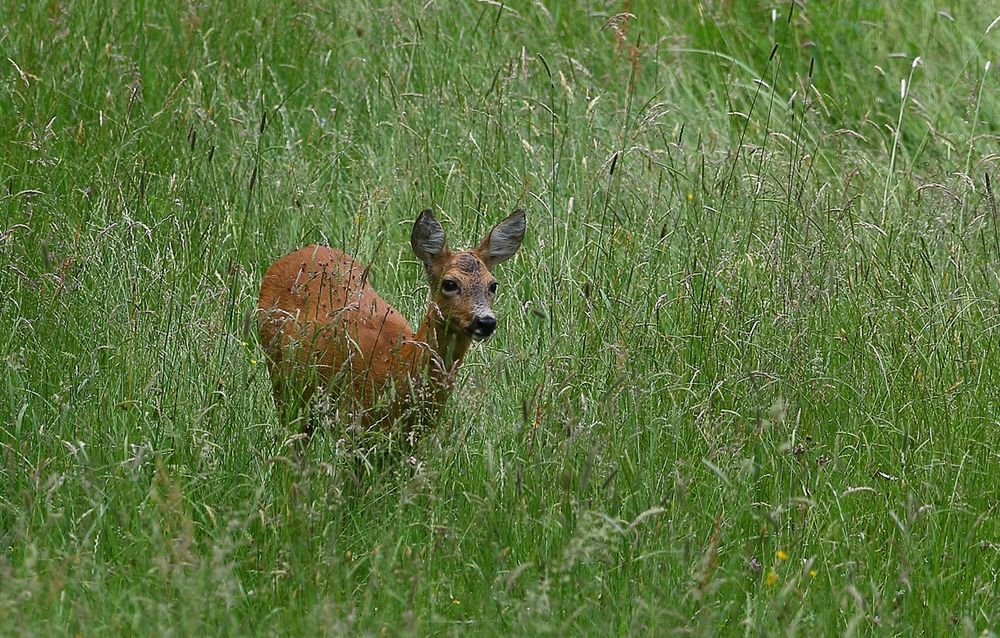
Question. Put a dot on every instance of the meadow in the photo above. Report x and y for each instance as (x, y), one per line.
(745, 379)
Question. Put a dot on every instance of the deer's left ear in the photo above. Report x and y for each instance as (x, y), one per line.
(503, 241)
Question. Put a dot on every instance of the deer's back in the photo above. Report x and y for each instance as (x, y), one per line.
(321, 323)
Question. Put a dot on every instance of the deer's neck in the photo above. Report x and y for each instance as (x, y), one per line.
(437, 351)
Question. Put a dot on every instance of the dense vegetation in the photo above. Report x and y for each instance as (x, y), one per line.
(746, 377)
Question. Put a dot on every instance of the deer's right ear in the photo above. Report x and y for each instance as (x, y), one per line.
(428, 240)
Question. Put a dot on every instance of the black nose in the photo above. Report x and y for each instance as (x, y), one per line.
(484, 326)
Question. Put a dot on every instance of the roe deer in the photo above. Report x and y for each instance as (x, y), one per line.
(325, 329)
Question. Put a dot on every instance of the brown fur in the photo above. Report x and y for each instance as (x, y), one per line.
(323, 327)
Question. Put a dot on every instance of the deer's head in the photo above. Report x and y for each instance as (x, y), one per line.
(462, 283)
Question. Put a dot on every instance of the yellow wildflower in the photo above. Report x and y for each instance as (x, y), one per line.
(781, 554)
(772, 578)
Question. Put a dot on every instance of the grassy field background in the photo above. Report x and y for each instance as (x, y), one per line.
(746, 376)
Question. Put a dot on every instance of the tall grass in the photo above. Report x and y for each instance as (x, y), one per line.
(746, 374)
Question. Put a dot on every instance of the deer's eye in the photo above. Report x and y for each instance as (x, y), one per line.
(449, 286)
(493, 288)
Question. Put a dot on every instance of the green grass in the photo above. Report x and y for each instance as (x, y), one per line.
(756, 312)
